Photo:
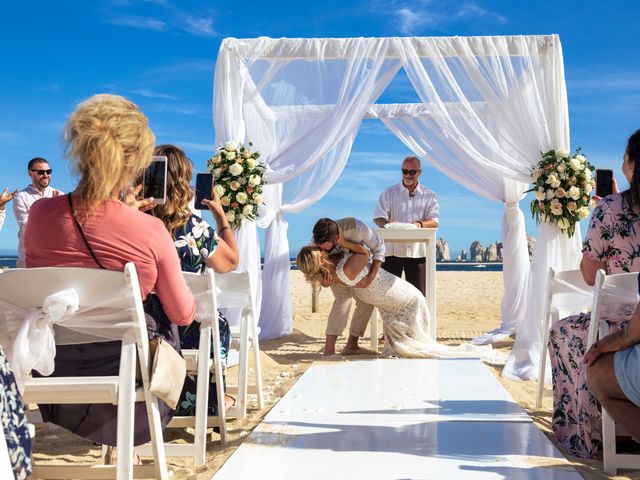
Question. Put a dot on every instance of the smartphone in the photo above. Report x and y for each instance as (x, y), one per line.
(204, 188)
(604, 182)
(154, 181)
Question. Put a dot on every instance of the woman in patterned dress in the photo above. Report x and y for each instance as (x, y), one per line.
(14, 422)
(199, 246)
(612, 243)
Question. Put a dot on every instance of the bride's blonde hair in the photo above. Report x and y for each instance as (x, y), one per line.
(312, 263)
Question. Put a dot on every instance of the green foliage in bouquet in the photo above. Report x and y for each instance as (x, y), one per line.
(238, 181)
(562, 188)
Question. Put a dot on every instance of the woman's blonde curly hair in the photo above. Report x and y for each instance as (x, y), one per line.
(312, 263)
(175, 212)
(110, 142)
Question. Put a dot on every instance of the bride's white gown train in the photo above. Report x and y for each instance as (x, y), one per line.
(405, 318)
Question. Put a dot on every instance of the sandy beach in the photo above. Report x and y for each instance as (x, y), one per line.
(468, 304)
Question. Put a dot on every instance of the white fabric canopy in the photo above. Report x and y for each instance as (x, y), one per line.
(490, 105)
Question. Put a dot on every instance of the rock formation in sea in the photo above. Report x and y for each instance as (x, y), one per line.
(442, 250)
(462, 257)
(491, 253)
(476, 252)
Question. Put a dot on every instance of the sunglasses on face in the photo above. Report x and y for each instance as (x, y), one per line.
(409, 172)
(43, 172)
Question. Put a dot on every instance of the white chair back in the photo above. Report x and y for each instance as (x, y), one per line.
(236, 291)
(109, 308)
(612, 290)
(567, 294)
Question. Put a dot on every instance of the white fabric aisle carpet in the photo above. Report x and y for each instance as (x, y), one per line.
(397, 419)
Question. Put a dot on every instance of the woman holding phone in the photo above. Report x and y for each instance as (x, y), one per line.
(199, 246)
(110, 143)
(612, 243)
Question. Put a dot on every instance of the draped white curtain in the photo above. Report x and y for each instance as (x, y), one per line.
(255, 83)
(490, 105)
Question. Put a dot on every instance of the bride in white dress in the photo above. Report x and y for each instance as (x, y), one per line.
(402, 306)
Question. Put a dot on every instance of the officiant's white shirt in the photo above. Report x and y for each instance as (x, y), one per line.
(396, 204)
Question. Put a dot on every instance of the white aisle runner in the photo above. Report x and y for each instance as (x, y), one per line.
(397, 419)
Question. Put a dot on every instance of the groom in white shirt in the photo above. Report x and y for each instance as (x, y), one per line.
(408, 202)
(327, 235)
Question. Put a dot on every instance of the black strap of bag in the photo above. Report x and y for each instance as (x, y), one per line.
(73, 214)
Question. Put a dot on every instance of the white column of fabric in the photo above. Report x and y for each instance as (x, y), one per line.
(344, 75)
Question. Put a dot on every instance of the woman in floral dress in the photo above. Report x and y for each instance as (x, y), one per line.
(14, 422)
(612, 243)
(199, 246)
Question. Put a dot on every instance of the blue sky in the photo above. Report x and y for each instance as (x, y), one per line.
(161, 54)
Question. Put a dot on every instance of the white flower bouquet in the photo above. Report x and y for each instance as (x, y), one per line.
(238, 182)
(562, 188)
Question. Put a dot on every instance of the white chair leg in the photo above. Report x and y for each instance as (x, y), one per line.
(202, 401)
(543, 361)
(243, 367)
(374, 329)
(220, 390)
(256, 362)
(155, 430)
(126, 403)
(608, 444)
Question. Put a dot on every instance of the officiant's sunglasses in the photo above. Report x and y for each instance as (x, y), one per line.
(43, 172)
(409, 172)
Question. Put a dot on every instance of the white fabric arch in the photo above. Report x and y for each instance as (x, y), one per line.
(489, 106)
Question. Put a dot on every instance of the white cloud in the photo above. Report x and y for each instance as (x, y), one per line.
(135, 21)
(198, 26)
(414, 17)
(472, 11)
(174, 18)
(143, 92)
(413, 20)
(199, 147)
(589, 82)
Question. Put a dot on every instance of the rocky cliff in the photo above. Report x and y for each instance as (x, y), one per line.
(442, 250)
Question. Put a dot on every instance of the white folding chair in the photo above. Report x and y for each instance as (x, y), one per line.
(199, 362)
(612, 290)
(115, 292)
(564, 283)
(236, 291)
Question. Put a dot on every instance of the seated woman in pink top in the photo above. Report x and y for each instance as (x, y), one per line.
(110, 143)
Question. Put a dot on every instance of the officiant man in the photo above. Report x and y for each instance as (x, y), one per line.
(328, 235)
(408, 202)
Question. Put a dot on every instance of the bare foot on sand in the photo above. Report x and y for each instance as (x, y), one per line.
(357, 351)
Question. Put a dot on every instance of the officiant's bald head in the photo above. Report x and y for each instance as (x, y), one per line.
(410, 171)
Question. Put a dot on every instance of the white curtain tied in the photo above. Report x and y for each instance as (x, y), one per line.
(489, 106)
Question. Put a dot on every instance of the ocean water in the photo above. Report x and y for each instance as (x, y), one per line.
(9, 261)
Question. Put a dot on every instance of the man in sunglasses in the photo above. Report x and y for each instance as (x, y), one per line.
(408, 202)
(39, 171)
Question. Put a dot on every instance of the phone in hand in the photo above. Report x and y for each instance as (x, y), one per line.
(154, 181)
(204, 188)
(604, 182)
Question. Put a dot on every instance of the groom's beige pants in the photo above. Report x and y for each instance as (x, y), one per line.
(340, 313)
